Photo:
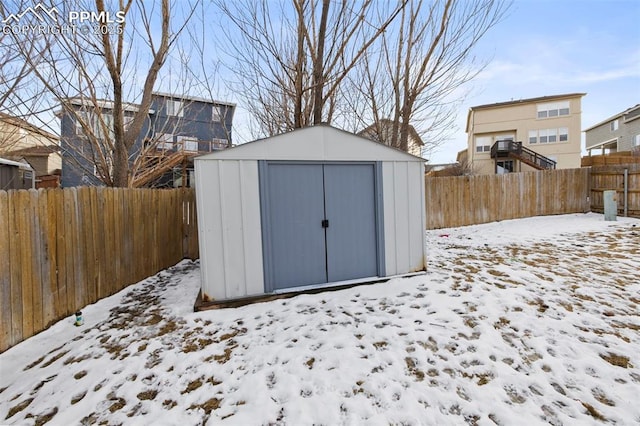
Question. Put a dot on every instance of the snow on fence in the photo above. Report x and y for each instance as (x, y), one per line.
(63, 249)
(612, 177)
(469, 200)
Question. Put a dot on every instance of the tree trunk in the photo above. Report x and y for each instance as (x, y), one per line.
(299, 66)
(318, 66)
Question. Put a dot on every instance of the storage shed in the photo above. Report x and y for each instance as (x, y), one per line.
(16, 175)
(311, 208)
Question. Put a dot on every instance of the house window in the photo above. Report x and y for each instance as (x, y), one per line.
(549, 135)
(504, 167)
(636, 141)
(80, 117)
(97, 124)
(216, 113)
(483, 143)
(507, 137)
(175, 108)
(92, 120)
(544, 138)
(165, 141)
(614, 125)
(553, 109)
(178, 178)
(188, 143)
(563, 134)
(127, 119)
(99, 173)
(219, 144)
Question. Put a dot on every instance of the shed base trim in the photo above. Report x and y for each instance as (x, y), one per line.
(201, 305)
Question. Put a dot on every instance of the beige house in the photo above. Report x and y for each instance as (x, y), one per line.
(524, 135)
(21, 140)
(382, 132)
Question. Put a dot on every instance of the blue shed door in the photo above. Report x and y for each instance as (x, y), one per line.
(349, 194)
(296, 210)
(321, 223)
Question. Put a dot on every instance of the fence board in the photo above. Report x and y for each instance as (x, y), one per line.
(25, 223)
(38, 257)
(604, 178)
(50, 286)
(469, 200)
(15, 250)
(60, 301)
(108, 207)
(5, 274)
(63, 249)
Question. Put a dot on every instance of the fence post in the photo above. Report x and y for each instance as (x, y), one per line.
(626, 192)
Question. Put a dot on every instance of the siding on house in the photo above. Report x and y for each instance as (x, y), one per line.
(191, 118)
(20, 140)
(626, 137)
(519, 120)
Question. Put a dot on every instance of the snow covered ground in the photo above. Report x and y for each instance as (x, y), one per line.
(531, 321)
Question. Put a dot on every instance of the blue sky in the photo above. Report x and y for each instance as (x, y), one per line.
(553, 47)
(542, 47)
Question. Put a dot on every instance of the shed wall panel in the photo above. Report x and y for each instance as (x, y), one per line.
(230, 238)
(209, 227)
(415, 185)
(252, 227)
(389, 226)
(401, 204)
(403, 227)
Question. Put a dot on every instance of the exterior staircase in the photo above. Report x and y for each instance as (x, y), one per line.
(515, 150)
(164, 163)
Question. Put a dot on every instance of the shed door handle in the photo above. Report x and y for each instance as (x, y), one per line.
(325, 223)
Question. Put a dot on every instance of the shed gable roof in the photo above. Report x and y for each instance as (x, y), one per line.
(317, 143)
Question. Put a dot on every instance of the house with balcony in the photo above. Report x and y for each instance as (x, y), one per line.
(525, 135)
(617, 134)
(176, 129)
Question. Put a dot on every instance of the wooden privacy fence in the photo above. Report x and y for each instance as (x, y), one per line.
(618, 158)
(63, 249)
(470, 200)
(612, 177)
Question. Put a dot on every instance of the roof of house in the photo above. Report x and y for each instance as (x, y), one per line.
(38, 151)
(129, 106)
(613, 117)
(101, 103)
(520, 102)
(193, 98)
(24, 124)
(524, 101)
(371, 129)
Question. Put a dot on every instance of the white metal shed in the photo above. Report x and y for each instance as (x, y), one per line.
(310, 208)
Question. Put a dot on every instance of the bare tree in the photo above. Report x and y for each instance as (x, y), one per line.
(103, 74)
(423, 63)
(292, 61)
(21, 94)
